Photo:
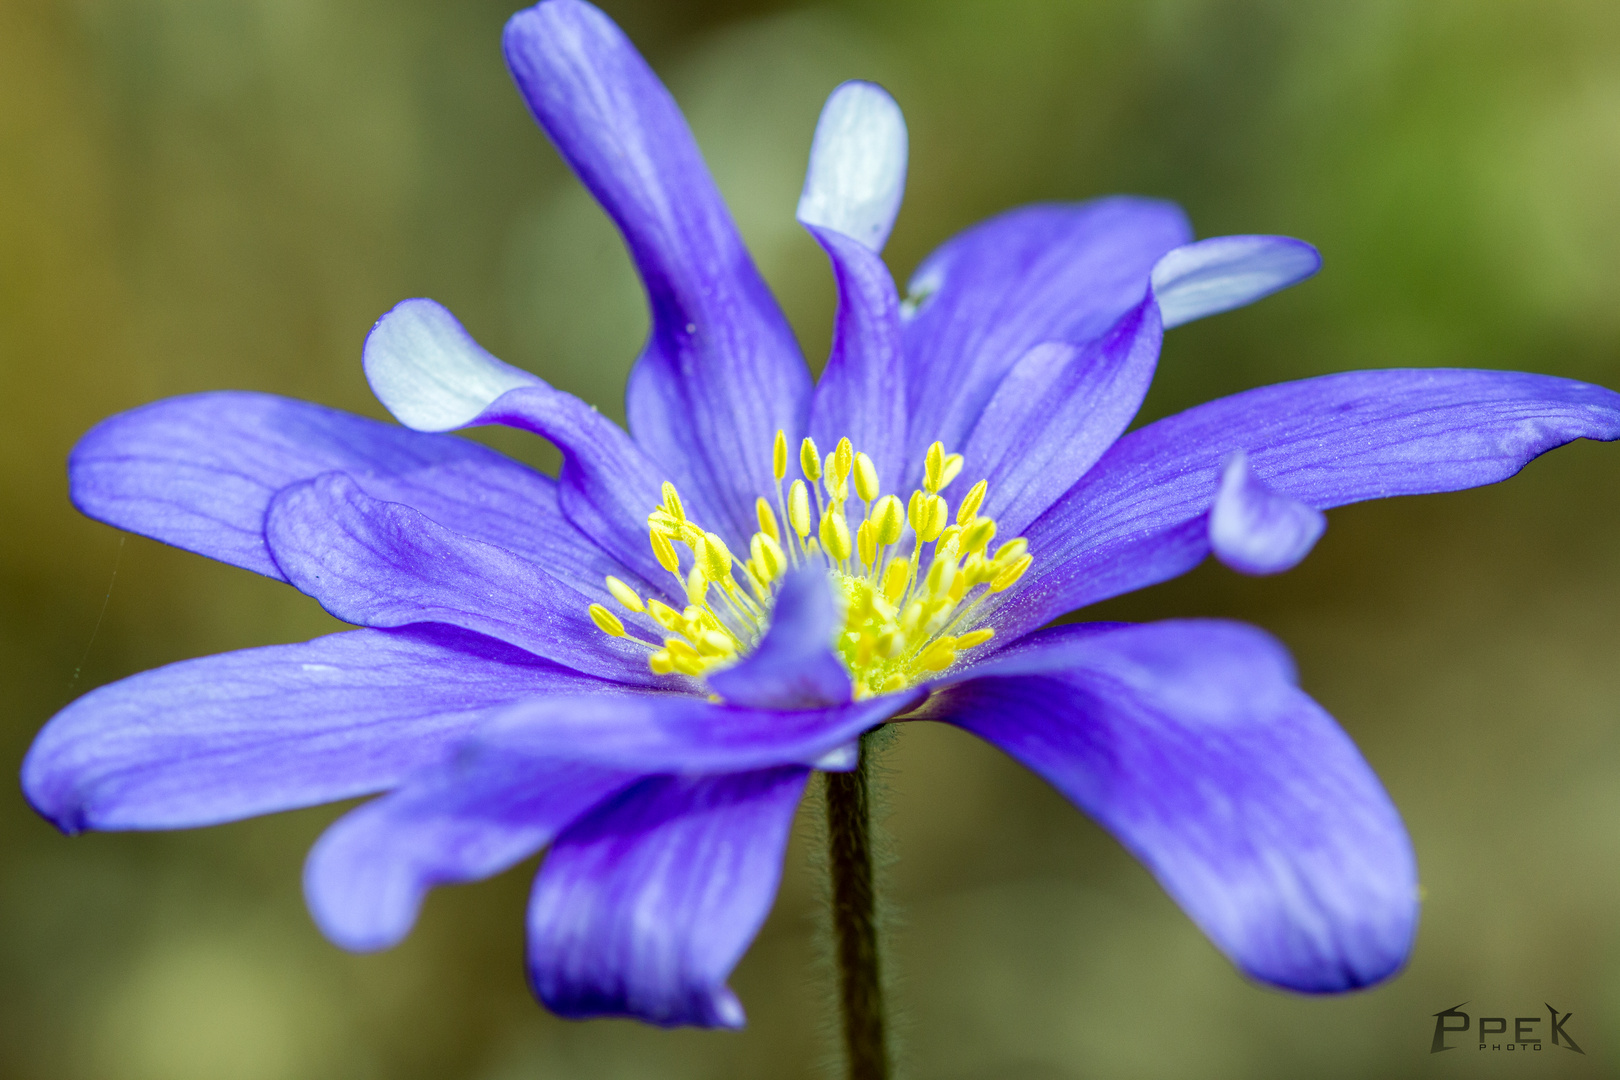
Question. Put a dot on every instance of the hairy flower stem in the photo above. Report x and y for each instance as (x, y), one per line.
(854, 916)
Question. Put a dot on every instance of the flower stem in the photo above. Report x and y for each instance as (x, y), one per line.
(854, 915)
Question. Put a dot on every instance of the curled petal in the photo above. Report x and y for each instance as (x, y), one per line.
(1226, 272)
(1190, 743)
(1253, 529)
(643, 907)
(429, 372)
(794, 666)
(252, 732)
(857, 171)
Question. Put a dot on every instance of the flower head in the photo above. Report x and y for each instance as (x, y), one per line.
(639, 664)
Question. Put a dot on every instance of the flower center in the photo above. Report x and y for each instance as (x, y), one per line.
(911, 581)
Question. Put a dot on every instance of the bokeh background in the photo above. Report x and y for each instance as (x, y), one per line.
(199, 194)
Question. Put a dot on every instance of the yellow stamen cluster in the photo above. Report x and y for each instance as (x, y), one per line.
(911, 579)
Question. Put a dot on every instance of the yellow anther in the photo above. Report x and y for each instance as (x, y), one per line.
(973, 638)
(767, 519)
(934, 467)
(1012, 550)
(971, 503)
(714, 557)
(1010, 574)
(697, 587)
(949, 540)
(843, 458)
(866, 478)
(664, 615)
(978, 535)
(888, 520)
(928, 513)
(834, 533)
(606, 621)
(768, 559)
(624, 594)
(716, 643)
(978, 569)
(758, 582)
(953, 466)
(866, 543)
(779, 455)
(798, 508)
(894, 682)
(664, 552)
(894, 581)
(672, 502)
(941, 576)
(810, 459)
(836, 481)
(681, 650)
(661, 662)
(940, 655)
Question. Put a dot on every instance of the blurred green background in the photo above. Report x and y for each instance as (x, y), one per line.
(198, 194)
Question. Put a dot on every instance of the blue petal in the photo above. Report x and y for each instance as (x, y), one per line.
(1056, 412)
(463, 820)
(794, 666)
(1051, 272)
(432, 374)
(1190, 743)
(1138, 517)
(722, 371)
(1253, 529)
(679, 732)
(643, 908)
(199, 472)
(862, 391)
(383, 564)
(252, 732)
(1226, 272)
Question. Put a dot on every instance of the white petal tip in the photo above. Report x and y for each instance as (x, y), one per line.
(841, 759)
(857, 171)
(1226, 272)
(429, 372)
(1256, 530)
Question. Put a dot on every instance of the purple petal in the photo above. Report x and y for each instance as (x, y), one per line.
(1137, 517)
(252, 732)
(1056, 412)
(1050, 272)
(857, 171)
(432, 374)
(464, 820)
(794, 666)
(1253, 529)
(680, 732)
(862, 391)
(643, 908)
(1190, 743)
(383, 564)
(199, 472)
(722, 372)
(1226, 272)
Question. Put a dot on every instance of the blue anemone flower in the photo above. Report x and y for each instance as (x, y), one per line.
(640, 663)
